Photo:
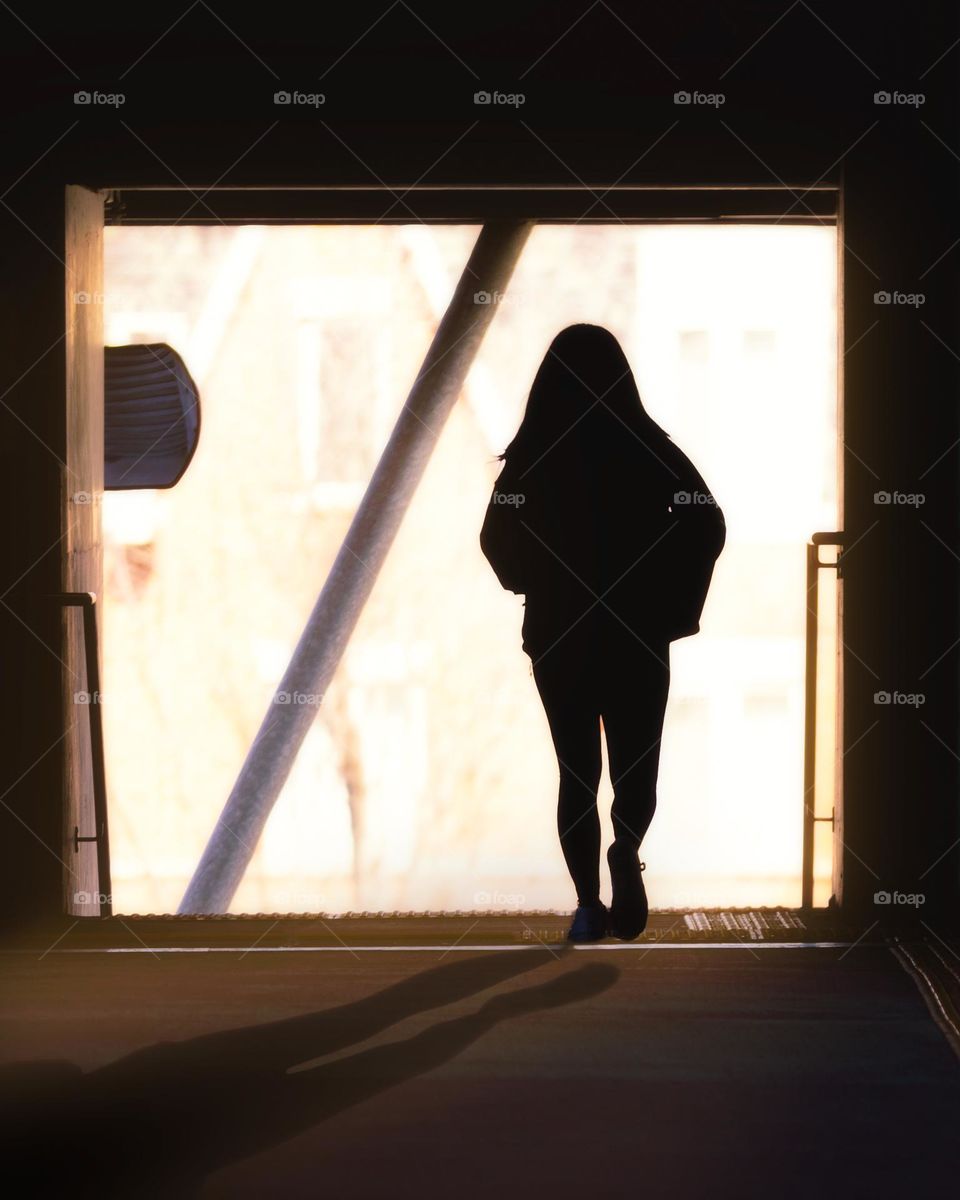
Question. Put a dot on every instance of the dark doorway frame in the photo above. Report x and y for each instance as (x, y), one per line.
(88, 212)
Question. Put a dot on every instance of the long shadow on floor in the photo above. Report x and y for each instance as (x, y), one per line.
(157, 1121)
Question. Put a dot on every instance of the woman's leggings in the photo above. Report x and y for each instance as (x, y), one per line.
(628, 692)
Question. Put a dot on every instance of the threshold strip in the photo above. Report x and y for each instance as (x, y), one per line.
(454, 949)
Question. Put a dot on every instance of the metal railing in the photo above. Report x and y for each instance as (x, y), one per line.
(86, 601)
(810, 818)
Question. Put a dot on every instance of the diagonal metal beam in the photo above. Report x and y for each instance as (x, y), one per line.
(355, 570)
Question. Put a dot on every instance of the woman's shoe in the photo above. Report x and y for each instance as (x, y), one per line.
(628, 911)
(589, 923)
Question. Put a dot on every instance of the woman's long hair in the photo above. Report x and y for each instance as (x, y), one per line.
(584, 390)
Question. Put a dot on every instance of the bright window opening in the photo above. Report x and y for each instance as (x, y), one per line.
(428, 778)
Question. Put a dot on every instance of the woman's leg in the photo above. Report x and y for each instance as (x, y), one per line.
(633, 704)
(574, 719)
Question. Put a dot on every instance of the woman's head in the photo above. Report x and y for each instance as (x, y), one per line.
(583, 390)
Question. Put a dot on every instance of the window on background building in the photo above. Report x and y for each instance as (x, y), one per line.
(759, 343)
(345, 395)
(694, 347)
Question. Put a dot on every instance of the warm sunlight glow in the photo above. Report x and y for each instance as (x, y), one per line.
(428, 778)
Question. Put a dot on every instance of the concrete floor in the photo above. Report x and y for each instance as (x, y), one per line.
(687, 1072)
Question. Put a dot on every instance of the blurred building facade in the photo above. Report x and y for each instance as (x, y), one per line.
(427, 780)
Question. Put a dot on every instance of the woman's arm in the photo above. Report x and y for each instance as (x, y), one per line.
(503, 537)
(696, 508)
(702, 534)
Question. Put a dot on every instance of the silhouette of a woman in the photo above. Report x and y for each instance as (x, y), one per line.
(610, 532)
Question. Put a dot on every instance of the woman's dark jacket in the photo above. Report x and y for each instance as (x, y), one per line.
(612, 539)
